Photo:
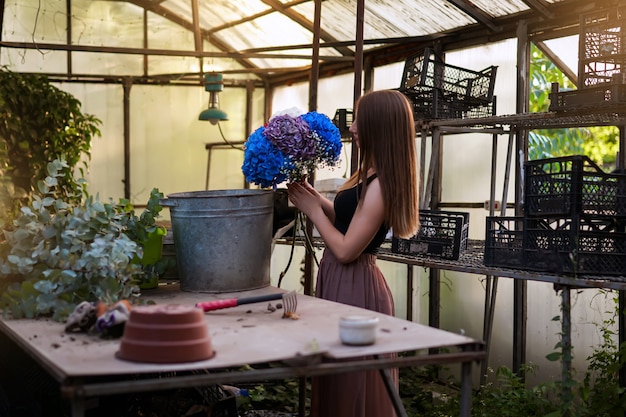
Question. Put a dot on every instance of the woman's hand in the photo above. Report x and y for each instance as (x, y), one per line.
(304, 197)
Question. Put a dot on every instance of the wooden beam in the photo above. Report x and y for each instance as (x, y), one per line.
(377, 41)
(252, 17)
(306, 23)
(2, 6)
(565, 69)
(159, 10)
(68, 34)
(195, 17)
(541, 7)
(476, 14)
(164, 52)
(520, 288)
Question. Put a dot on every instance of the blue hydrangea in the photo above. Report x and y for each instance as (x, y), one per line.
(263, 162)
(329, 143)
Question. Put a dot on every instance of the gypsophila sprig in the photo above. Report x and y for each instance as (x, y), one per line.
(289, 146)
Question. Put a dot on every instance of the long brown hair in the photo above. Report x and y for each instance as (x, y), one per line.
(386, 132)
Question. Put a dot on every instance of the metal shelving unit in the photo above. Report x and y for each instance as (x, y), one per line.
(515, 126)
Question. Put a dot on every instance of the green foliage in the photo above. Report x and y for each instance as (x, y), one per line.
(58, 254)
(138, 228)
(599, 143)
(38, 124)
(144, 230)
(507, 396)
(278, 396)
(511, 395)
(600, 390)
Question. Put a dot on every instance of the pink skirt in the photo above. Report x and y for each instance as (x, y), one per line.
(356, 394)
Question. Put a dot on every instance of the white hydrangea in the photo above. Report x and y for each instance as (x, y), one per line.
(292, 111)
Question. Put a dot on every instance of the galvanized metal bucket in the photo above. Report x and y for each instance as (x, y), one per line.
(222, 238)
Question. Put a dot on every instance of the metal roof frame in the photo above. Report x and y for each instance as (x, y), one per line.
(544, 19)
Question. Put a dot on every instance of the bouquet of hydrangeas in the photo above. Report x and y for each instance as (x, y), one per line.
(289, 146)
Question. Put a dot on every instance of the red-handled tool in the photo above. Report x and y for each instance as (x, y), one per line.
(289, 298)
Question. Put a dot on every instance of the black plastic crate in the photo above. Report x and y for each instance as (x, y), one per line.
(602, 47)
(343, 121)
(606, 95)
(575, 245)
(432, 104)
(504, 242)
(572, 185)
(440, 91)
(442, 234)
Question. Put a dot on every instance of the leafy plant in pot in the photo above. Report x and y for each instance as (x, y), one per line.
(57, 254)
(144, 230)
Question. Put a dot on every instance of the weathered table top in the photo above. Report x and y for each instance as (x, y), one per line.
(247, 334)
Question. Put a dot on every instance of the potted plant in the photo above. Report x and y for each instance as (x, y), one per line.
(57, 254)
(145, 231)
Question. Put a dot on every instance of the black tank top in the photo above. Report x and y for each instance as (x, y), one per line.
(345, 204)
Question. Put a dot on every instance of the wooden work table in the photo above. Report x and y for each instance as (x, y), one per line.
(85, 365)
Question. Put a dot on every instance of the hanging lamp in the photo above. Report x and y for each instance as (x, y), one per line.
(213, 83)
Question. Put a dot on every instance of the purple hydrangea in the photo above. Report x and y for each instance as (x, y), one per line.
(292, 136)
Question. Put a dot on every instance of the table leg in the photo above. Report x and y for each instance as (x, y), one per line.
(491, 289)
(208, 169)
(466, 389)
(409, 292)
(566, 344)
(302, 382)
(621, 335)
(78, 407)
(394, 395)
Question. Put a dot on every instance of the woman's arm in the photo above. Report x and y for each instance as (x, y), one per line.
(363, 227)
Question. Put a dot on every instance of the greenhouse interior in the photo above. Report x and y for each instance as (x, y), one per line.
(153, 177)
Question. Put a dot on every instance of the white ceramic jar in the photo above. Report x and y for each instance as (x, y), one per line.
(358, 330)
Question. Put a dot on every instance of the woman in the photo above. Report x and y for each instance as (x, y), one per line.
(381, 194)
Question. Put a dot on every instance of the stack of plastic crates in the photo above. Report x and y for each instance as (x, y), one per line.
(574, 222)
(441, 91)
(442, 234)
(602, 47)
(601, 63)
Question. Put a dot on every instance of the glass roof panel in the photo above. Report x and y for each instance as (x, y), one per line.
(31, 60)
(266, 31)
(106, 23)
(226, 26)
(387, 18)
(217, 13)
(397, 18)
(104, 63)
(165, 34)
(501, 7)
(20, 17)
